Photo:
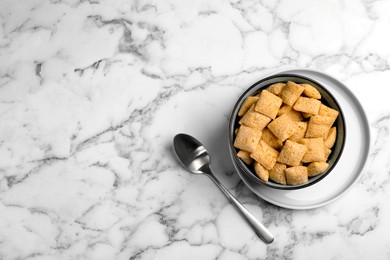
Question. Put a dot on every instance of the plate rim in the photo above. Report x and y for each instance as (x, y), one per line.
(363, 119)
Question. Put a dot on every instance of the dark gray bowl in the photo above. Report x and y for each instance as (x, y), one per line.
(327, 99)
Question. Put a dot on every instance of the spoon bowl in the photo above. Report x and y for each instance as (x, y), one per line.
(191, 153)
(195, 158)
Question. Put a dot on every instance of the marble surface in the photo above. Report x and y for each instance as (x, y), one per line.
(92, 93)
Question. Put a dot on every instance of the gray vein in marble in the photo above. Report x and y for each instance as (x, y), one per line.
(4, 80)
(383, 130)
(117, 181)
(94, 66)
(364, 224)
(127, 43)
(16, 179)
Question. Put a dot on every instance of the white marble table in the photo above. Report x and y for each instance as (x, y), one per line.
(92, 93)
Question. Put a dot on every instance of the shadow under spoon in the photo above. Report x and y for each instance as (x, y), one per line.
(195, 158)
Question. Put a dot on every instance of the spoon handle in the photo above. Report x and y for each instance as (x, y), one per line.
(256, 225)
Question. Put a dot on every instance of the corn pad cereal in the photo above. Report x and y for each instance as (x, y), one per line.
(265, 155)
(282, 127)
(254, 119)
(307, 105)
(291, 92)
(277, 173)
(268, 137)
(247, 138)
(311, 91)
(261, 171)
(315, 150)
(284, 109)
(249, 101)
(292, 153)
(315, 168)
(276, 88)
(291, 113)
(296, 175)
(319, 126)
(327, 111)
(300, 131)
(327, 152)
(295, 116)
(331, 139)
(245, 156)
(306, 115)
(286, 133)
(268, 104)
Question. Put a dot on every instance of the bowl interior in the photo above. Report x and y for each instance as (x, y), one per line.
(326, 98)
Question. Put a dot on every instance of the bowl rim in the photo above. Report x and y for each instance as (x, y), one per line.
(233, 118)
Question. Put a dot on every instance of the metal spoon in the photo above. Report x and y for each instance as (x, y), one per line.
(194, 157)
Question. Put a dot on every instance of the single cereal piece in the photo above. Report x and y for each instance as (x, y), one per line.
(282, 127)
(245, 156)
(268, 104)
(254, 119)
(236, 131)
(247, 138)
(331, 139)
(316, 168)
(261, 171)
(327, 111)
(307, 105)
(306, 115)
(291, 92)
(296, 175)
(277, 173)
(327, 152)
(284, 109)
(294, 115)
(265, 155)
(319, 126)
(292, 153)
(315, 150)
(321, 120)
(249, 101)
(311, 91)
(300, 131)
(268, 137)
(276, 88)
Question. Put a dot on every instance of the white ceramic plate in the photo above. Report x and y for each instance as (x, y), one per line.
(349, 166)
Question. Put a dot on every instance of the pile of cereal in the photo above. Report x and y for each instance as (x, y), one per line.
(286, 132)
